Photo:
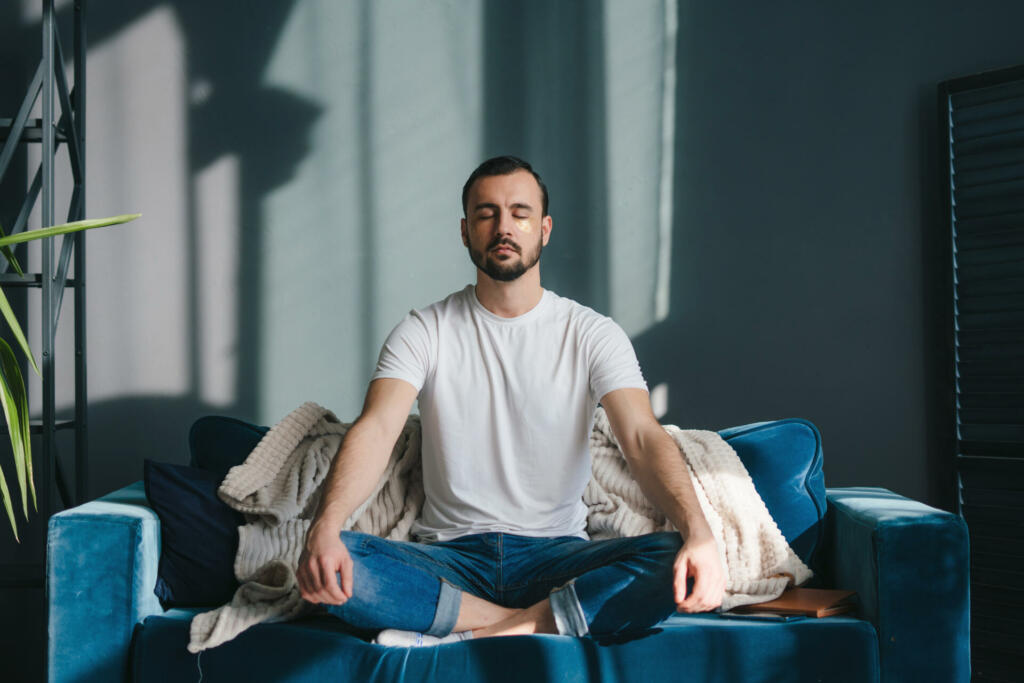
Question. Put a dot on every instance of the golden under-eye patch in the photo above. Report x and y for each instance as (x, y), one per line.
(524, 224)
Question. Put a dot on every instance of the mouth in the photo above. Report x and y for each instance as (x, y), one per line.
(504, 249)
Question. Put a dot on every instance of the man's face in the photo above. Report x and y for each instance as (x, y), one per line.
(504, 230)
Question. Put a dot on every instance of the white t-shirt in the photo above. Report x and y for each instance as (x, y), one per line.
(507, 406)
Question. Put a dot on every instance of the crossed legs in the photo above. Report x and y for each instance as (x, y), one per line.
(530, 585)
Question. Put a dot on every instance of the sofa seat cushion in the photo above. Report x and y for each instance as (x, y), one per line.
(704, 647)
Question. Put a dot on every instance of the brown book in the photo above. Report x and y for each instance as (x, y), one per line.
(811, 602)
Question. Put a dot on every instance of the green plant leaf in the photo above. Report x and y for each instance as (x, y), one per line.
(12, 322)
(12, 384)
(9, 255)
(10, 381)
(5, 492)
(26, 432)
(64, 228)
(16, 385)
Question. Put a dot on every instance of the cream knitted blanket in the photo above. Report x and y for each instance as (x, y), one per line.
(278, 490)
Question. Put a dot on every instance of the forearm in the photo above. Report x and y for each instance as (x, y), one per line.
(658, 467)
(353, 475)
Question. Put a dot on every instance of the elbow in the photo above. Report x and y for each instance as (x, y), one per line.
(367, 427)
(643, 446)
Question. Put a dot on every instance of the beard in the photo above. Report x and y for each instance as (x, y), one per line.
(512, 267)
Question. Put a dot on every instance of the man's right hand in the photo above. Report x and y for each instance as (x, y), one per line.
(356, 469)
(323, 558)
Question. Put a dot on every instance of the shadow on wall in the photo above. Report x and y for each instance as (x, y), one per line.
(543, 101)
(544, 79)
(231, 112)
(134, 428)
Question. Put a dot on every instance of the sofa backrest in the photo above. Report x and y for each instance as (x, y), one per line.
(783, 457)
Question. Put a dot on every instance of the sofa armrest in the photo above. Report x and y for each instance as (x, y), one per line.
(909, 564)
(101, 567)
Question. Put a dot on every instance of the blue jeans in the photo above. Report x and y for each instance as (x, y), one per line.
(599, 587)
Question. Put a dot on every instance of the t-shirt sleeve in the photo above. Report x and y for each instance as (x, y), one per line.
(613, 363)
(406, 353)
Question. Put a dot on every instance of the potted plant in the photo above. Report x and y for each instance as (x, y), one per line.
(12, 385)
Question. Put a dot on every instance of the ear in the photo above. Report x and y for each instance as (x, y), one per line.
(465, 236)
(545, 228)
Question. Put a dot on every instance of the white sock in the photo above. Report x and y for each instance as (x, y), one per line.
(396, 638)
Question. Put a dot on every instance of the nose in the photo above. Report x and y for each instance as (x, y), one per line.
(506, 224)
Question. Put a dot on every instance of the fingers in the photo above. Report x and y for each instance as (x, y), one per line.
(329, 578)
(346, 576)
(708, 581)
(318, 582)
(701, 599)
(326, 576)
(680, 582)
(310, 582)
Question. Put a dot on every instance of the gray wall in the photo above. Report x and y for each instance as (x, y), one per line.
(810, 252)
(298, 165)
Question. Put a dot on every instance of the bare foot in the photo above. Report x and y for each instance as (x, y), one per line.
(477, 613)
(536, 618)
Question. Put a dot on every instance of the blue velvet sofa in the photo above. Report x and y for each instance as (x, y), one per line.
(908, 563)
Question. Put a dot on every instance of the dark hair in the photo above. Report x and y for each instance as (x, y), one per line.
(503, 166)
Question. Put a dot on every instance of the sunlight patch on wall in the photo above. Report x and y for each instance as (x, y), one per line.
(309, 225)
(425, 141)
(659, 400)
(368, 226)
(138, 322)
(640, 95)
(668, 145)
(217, 237)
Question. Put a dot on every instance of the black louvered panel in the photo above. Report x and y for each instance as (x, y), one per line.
(979, 197)
(1012, 287)
(986, 272)
(991, 543)
(983, 207)
(1001, 105)
(989, 449)
(991, 408)
(987, 202)
(984, 144)
(992, 503)
(992, 666)
(991, 173)
(986, 338)
(965, 98)
(991, 144)
(995, 125)
(999, 318)
(1006, 222)
(1011, 250)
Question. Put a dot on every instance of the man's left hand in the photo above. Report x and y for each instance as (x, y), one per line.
(699, 559)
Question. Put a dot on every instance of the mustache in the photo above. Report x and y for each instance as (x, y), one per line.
(503, 242)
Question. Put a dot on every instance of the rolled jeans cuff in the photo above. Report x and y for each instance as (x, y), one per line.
(565, 605)
(448, 603)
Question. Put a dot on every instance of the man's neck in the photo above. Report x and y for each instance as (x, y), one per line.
(509, 299)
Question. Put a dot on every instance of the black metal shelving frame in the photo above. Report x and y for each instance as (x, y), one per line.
(49, 84)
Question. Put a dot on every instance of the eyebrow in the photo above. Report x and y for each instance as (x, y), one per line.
(491, 205)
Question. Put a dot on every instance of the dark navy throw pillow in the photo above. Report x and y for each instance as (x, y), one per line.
(218, 443)
(198, 535)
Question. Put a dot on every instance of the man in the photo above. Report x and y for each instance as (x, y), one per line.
(508, 376)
